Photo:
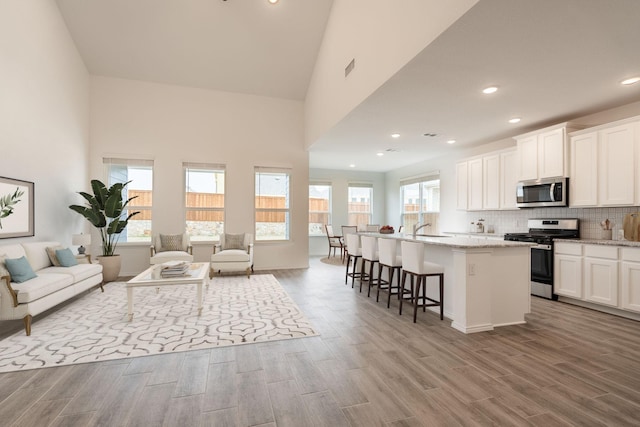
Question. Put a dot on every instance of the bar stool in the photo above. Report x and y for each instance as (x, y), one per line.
(388, 257)
(413, 263)
(354, 251)
(370, 255)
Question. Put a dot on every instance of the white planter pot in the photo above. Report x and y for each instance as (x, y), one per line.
(110, 267)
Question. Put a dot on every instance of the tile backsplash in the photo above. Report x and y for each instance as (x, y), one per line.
(516, 221)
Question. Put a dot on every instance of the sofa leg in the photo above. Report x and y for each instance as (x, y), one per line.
(249, 272)
(27, 324)
(101, 288)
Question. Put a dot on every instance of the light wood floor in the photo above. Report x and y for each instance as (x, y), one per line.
(369, 367)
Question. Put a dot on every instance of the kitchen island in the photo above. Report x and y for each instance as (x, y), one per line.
(486, 282)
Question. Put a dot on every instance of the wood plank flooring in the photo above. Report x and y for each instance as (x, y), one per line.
(369, 367)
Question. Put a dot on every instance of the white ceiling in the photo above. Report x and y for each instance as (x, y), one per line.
(247, 46)
(552, 60)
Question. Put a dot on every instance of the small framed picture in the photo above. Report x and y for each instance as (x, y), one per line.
(16, 208)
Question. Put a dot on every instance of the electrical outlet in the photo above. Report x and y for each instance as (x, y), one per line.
(472, 269)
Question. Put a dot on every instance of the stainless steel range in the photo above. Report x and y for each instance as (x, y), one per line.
(542, 232)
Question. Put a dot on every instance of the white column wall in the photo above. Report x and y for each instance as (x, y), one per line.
(382, 36)
(44, 114)
(172, 125)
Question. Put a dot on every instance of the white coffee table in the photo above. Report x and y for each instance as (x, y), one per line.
(196, 275)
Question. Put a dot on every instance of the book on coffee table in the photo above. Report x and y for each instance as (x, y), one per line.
(174, 268)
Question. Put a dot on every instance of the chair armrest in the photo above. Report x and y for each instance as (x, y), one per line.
(190, 250)
(152, 250)
(250, 252)
(12, 292)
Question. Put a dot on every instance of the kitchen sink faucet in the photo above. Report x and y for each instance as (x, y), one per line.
(417, 227)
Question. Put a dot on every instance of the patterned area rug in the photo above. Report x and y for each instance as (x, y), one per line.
(94, 328)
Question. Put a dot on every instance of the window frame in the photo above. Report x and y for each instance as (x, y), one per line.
(286, 211)
(421, 181)
(108, 163)
(350, 212)
(322, 232)
(205, 167)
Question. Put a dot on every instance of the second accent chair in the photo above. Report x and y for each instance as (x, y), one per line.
(171, 247)
(233, 253)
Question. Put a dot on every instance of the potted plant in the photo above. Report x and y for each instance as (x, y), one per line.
(104, 210)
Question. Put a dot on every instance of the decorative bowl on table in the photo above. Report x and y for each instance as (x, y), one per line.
(386, 229)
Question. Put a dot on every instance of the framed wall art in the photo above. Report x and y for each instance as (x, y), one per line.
(16, 208)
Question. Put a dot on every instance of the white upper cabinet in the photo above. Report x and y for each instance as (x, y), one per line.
(475, 185)
(491, 182)
(528, 157)
(487, 182)
(617, 161)
(510, 174)
(543, 153)
(583, 184)
(462, 186)
(552, 154)
(604, 161)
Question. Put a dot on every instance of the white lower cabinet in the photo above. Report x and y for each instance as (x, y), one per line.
(568, 275)
(630, 279)
(601, 274)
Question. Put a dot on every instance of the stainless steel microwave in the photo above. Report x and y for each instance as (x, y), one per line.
(543, 192)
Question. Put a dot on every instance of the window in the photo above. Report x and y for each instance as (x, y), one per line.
(319, 208)
(360, 198)
(421, 202)
(140, 173)
(272, 204)
(204, 201)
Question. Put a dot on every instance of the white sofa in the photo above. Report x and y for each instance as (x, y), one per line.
(52, 285)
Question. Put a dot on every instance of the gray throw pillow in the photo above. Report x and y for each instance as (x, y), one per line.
(170, 242)
(51, 251)
(233, 241)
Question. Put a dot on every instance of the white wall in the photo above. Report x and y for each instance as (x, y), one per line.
(44, 107)
(172, 125)
(382, 36)
(340, 180)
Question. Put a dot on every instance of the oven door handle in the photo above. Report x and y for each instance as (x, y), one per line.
(542, 247)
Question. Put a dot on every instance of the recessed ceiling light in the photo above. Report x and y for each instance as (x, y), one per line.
(514, 120)
(490, 89)
(451, 141)
(630, 81)
(273, 1)
(395, 135)
(352, 165)
(380, 154)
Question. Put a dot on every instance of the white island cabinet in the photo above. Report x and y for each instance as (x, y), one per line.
(486, 281)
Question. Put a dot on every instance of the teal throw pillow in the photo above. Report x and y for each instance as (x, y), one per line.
(19, 269)
(66, 258)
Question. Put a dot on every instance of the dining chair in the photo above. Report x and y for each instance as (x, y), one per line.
(370, 254)
(347, 229)
(372, 228)
(335, 242)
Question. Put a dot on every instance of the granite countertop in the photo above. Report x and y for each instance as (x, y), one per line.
(474, 234)
(453, 242)
(626, 243)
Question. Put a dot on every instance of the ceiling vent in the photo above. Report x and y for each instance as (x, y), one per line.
(430, 135)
